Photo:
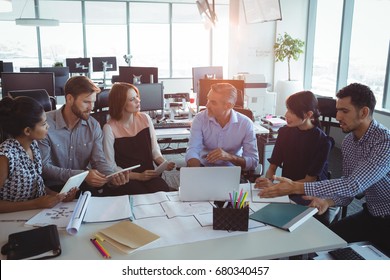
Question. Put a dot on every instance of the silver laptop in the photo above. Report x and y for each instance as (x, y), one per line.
(208, 183)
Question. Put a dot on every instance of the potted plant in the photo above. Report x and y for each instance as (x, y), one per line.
(58, 64)
(288, 48)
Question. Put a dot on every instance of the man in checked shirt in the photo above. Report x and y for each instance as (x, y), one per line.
(366, 169)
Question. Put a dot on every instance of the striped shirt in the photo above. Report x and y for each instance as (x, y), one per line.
(366, 168)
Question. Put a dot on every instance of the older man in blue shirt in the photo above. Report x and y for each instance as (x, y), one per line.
(221, 136)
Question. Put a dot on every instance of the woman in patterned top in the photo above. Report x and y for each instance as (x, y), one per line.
(23, 120)
(130, 139)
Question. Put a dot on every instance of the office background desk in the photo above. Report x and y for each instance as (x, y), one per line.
(268, 244)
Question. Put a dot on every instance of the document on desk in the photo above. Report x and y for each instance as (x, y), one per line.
(257, 198)
(87, 209)
(163, 211)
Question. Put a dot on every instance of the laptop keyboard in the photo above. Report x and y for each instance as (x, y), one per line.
(345, 254)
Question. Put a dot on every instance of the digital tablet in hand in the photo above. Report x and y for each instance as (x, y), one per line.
(124, 170)
(160, 169)
(74, 182)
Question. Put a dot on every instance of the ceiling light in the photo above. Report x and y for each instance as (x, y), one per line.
(37, 22)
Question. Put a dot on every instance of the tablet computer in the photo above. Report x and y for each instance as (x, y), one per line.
(74, 182)
(160, 169)
(123, 170)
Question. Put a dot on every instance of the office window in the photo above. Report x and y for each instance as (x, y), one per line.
(326, 47)
(106, 32)
(22, 49)
(369, 45)
(149, 36)
(65, 40)
(190, 40)
(221, 37)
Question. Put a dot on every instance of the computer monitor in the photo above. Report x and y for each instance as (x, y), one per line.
(61, 76)
(127, 73)
(6, 67)
(210, 72)
(205, 86)
(78, 65)
(152, 96)
(27, 80)
(99, 63)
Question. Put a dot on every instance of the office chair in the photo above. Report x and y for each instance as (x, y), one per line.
(245, 112)
(48, 102)
(327, 108)
(100, 110)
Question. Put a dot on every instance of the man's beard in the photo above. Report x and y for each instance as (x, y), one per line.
(82, 115)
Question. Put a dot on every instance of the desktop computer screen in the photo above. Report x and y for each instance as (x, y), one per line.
(127, 73)
(61, 76)
(152, 96)
(20, 81)
(98, 63)
(6, 67)
(209, 72)
(78, 65)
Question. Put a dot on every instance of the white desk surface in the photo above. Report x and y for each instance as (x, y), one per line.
(172, 133)
(268, 244)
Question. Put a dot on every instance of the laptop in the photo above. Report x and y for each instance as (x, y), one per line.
(208, 183)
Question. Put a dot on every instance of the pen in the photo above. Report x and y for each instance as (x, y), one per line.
(243, 200)
(103, 249)
(98, 248)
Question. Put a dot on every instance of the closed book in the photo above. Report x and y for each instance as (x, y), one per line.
(39, 243)
(286, 216)
(126, 236)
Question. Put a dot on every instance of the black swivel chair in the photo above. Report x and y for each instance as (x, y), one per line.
(100, 110)
(327, 108)
(48, 102)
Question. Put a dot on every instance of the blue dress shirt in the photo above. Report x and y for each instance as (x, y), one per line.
(236, 137)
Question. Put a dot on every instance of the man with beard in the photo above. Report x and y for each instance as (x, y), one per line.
(221, 136)
(366, 169)
(74, 143)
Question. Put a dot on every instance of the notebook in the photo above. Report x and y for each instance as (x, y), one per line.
(208, 183)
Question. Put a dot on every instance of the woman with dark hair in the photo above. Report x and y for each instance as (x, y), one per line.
(302, 148)
(23, 121)
(129, 139)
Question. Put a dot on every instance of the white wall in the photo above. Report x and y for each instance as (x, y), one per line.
(251, 45)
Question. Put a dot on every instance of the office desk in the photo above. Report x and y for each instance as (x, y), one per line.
(172, 136)
(268, 244)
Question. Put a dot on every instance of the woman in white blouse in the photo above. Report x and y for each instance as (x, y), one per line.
(130, 139)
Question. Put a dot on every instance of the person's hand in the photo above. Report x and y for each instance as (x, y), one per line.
(263, 182)
(95, 178)
(147, 175)
(218, 154)
(120, 178)
(70, 195)
(170, 165)
(321, 204)
(284, 187)
(49, 201)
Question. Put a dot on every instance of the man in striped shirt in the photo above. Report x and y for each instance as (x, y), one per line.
(366, 169)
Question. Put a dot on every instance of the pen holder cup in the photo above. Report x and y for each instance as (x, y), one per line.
(231, 219)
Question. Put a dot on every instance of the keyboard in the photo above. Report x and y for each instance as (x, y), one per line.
(172, 125)
(347, 253)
